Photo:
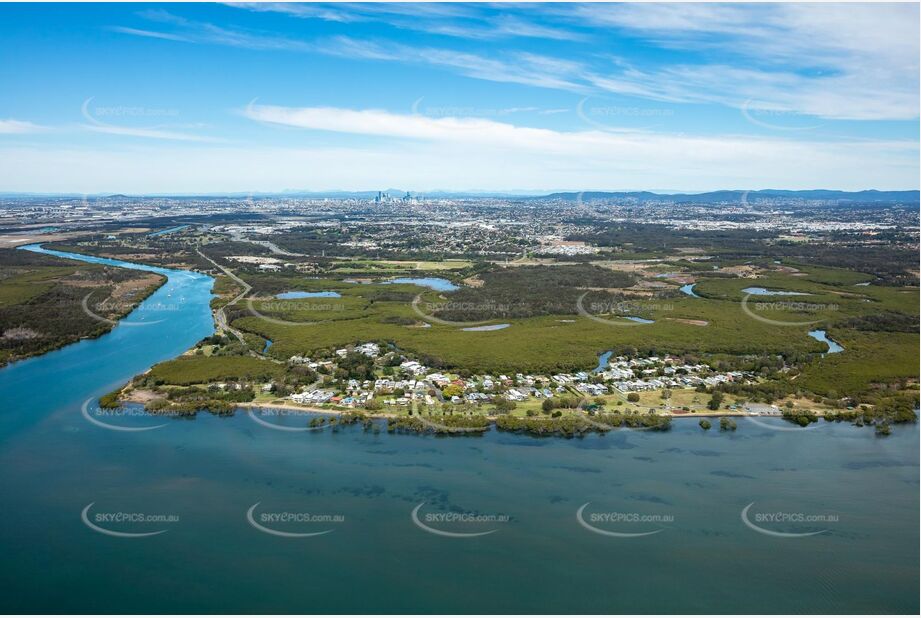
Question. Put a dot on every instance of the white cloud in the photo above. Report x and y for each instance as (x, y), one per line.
(845, 97)
(10, 127)
(151, 34)
(464, 130)
(454, 20)
(809, 33)
(540, 158)
(385, 124)
(519, 68)
(839, 61)
(631, 162)
(854, 62)
(202, 32)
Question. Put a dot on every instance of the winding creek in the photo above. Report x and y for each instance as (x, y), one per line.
(208, 479)
(833, 346)
(167, 323)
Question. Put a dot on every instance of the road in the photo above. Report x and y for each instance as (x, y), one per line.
(220, 316)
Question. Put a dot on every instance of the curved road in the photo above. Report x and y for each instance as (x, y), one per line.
(220, 316)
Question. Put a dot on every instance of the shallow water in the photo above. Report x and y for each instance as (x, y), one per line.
(603, 362)
(289, 295)
(634, 318)
(766, 292)
(833, 346)
(689, 290)
(487, 327)
(435, 283)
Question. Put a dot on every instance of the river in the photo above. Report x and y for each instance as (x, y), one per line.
(213, 493)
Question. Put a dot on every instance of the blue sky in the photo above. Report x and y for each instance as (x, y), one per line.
(148, 98)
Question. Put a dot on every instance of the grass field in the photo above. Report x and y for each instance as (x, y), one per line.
(188, 370)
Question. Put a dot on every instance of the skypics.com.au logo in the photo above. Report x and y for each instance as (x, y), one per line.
(786, 524)
(126, 524)
(293, 524)
(622, 524)
(457, 524)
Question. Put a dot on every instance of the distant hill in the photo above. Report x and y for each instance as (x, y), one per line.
(711, 197)
(714, 197)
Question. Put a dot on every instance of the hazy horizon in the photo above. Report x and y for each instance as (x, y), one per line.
(393, 191)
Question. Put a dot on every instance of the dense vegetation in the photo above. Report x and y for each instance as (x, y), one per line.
(884, 321)
(41, 301)
(188, 370)
(527, 291)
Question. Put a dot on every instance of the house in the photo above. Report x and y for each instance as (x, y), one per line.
(371, 350)
(315, 397)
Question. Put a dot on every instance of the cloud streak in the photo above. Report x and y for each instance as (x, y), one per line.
(10, 126)
(816, 60)
(835, 61)
(452, 20)
(598, 154)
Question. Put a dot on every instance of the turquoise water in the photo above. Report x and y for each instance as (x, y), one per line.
(833, 346)
(634, 318)
(603, 362)
(204, 475)
(288, 295)
(487, 327)
(435, 283)
(689, 290)
(767, 292)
